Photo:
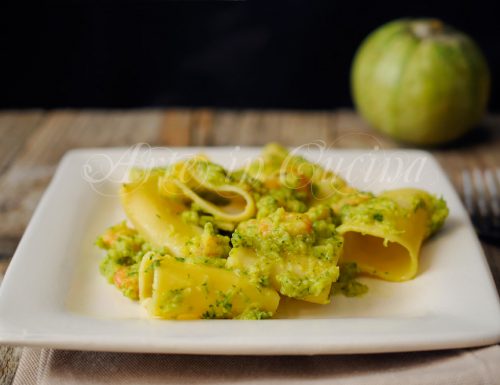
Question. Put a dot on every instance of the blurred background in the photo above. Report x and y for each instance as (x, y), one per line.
(287, 55)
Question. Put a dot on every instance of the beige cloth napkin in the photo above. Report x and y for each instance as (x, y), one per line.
(452, 367)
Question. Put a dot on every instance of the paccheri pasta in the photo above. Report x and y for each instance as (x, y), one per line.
(208, 243)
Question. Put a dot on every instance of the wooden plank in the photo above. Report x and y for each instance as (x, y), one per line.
(304, 128)
(353, 132)
(231, 127)
(202, 127)
(25, 181)
(184, 127)
(15, 127)
(256, 128)
(176, 128)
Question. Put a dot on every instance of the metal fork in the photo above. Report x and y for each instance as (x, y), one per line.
(482, 200)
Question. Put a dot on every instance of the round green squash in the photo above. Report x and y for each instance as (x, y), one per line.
(420, 81)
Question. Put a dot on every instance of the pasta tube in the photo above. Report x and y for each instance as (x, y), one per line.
(383, 235)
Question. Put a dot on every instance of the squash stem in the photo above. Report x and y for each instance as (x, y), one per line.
(427, 28)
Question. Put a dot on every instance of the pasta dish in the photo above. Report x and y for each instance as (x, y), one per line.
(202, 242)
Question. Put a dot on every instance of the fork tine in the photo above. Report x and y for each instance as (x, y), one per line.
(468, 192)
(482, 199)
(491, 185)
(481, 193)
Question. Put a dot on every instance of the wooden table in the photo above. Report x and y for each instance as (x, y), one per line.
(33, 142)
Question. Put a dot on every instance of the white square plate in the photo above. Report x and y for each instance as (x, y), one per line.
(54, 296)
